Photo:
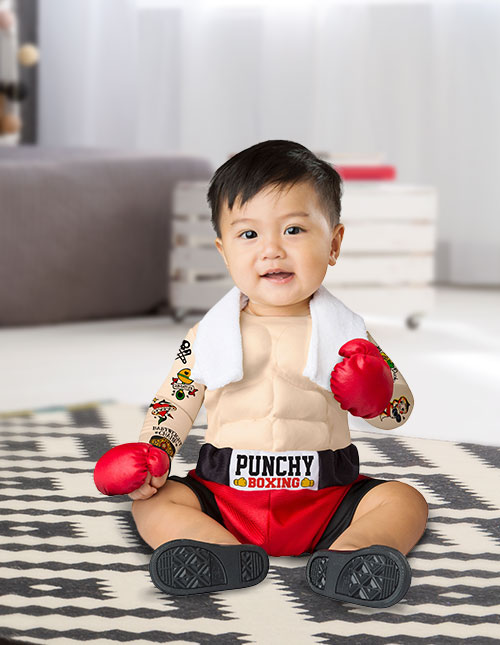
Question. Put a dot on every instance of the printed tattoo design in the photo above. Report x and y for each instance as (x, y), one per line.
(184, 350)
(166, 439)
(389, 362)
(161, 409)
(163, 444)
(167, 436)
(182, 385)
(397, 409)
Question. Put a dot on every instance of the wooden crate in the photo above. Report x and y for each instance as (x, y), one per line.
(386, 263)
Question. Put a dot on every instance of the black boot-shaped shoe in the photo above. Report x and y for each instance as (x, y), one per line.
(183, 567)
(375, 576)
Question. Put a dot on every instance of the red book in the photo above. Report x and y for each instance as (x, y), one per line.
(366, 173)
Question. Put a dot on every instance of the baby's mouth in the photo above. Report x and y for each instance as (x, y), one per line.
(277, 277)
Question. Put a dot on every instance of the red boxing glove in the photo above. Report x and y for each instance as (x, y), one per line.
(124, 468)
(362, 383)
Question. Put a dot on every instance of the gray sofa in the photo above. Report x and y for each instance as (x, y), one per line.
(84, 233)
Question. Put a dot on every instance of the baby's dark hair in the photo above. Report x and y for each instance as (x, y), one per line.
(276, 163)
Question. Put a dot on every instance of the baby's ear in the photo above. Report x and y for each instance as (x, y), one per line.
(220, 248)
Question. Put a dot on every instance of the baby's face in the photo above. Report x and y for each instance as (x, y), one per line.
(274, 236)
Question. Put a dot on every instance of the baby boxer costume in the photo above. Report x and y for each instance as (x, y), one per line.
(277, 459)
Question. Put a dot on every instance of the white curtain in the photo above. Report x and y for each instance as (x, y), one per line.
(415, 81)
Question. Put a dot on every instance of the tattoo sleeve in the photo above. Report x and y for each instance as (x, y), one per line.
(175, 406)
(401, 404)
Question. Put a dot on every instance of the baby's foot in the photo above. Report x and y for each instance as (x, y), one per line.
(183, 567)
(375, 576)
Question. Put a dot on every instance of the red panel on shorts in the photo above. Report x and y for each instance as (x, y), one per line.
(282, 522)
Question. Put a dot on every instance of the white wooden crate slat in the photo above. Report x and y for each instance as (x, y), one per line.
(196, 233)
(388, 237)
(196, 260)
(383, 269)
(396, 204)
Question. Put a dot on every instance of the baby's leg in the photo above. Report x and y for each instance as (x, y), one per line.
(193, 553)
(174, 512)
(366, 564)
(392, 513)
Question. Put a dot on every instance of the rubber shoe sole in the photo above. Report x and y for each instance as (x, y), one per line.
(183, 567)
(375, 576)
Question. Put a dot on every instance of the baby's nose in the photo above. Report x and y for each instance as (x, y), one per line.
(272, 248)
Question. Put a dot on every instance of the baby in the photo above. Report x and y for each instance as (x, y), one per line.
(279, 362)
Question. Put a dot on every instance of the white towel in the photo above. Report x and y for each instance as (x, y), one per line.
(218, 351)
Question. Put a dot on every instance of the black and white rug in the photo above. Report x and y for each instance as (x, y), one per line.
(74, 569)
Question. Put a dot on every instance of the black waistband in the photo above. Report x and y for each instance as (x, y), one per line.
(336, 467)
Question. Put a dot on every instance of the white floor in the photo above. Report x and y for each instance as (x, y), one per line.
(451, 362)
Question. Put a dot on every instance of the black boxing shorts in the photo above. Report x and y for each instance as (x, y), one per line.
(289, 503)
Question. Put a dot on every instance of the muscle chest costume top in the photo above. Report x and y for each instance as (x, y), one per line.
(273, 407)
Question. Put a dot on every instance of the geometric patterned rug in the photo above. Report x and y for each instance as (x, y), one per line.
(74, 569)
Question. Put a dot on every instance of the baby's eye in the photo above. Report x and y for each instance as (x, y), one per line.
(297, 227)
(247, 238)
